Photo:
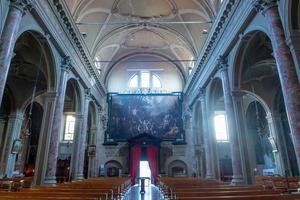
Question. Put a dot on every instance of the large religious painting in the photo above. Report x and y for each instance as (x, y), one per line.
(159, 115)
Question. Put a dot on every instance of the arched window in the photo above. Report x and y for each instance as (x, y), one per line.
(69, 128)
(156, 81)
(221, 127)
(145, 79)
(134, 81)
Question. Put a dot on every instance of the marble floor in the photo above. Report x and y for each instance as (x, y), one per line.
(151, 193)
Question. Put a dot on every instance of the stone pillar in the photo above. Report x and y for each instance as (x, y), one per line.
(293, 41)
(44, 138)
(20, 161)
(286, 68)
(237, 97)
(12, 133)
(206, 137)
(92, 160)
(190, 148)
(76, 145)
(82, 138)
(2, 132)
(16, 10)
(100, 149)
(274, 141)
(57, 122)
(237, 177)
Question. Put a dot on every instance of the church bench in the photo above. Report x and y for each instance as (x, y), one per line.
(15, 184)
(271, 182)
(246, 197)
(56, 195)
(219, 189)
(48, 198)
(189, 188)
(223, 193)
(94, 192)
(86, 189)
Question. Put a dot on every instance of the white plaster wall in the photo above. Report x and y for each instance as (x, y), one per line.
(119, 77)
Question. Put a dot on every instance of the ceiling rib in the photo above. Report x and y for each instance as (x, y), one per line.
(147, 22)
(135, 61)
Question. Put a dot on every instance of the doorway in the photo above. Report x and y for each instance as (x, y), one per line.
(145, 171)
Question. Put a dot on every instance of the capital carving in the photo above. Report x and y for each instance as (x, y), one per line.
(202, 94)
(87, 93)
(237, 95)
(264, 5)
(66, 64)
(21, 5)
(99, 109)
(188, 113)
(222, 63)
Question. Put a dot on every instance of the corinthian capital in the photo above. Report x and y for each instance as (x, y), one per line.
(222, 63)
(66, 64)
(263, 5)
(22, 5)
(87, 93)
(201, 95)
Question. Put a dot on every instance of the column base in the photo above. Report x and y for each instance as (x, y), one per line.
(79, 177)
(237, 180)
(50, 180)
(210, 176)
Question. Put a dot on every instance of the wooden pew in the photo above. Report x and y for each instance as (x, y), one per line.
(191, 188)
(92, 189)
(278, 183)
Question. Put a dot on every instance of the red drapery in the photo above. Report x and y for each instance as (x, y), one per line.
(135, 162)
(153, 162)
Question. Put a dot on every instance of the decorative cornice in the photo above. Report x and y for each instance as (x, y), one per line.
(264, 5)
(72, 32)
(21, 5)
(212, 41)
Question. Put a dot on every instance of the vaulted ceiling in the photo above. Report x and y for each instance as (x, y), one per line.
(114, 29)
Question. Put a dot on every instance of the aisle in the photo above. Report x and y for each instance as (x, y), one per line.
(152, 193)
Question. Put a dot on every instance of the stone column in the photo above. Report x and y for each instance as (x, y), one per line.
(237, 97)
(293, 41)
(16, 10)
(57, 122)
(100, 152)
(2, 132)
(237, 177)
(93, 167)
(82, 139)
(44, 138)
(76, 145)
(206, 137)
(286, 68)
(20, 161)
(276, 150)
(12, 133)
(190, 148)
